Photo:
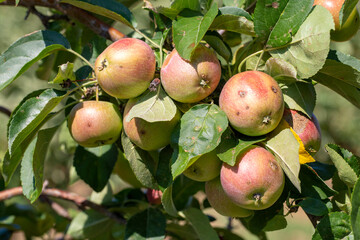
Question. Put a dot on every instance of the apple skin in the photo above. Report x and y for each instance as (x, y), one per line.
(307, 129)
(256, 181)
(95, 123)
(148, 136)
(123, 170)
(205, 168)
(253, 103)
(348, 29)
(221, 202)
(125, 68)
(154, 196)
(194, 80)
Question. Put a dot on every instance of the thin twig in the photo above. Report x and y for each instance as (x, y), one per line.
(80, 201)
(5, 111)
(72, 12)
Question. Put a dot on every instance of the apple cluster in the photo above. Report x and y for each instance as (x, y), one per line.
(252, 101)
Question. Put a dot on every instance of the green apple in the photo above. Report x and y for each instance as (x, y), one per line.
(205, 168)
(95, 123)
(123, 170)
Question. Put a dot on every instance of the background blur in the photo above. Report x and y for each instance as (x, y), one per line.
(339, 120)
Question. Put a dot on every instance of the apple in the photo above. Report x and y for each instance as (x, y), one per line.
(307, 129)
(348, 29)
(221, 202)
(256, 181)
(205, 168)
(148, 135)
(253, 103)
(125, 68)
(154, 196)
(95, 123)
(191, 81)
(123, 170)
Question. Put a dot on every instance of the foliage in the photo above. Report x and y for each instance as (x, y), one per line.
(287, 39)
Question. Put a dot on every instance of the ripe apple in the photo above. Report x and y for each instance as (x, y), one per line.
(205, 168)
(221, 202)
(123, 170)
(348, 29)
(95, 123)
(253, 102)
(125, 68)
(256, 181)
(307, 129)
(154, 196)
(191, 81)
(148, 135)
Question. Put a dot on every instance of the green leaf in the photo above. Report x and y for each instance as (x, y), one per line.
(281, 70)
(278, 222)
(314, 206)
(215, 41)
(200, 223)
(230, 146)
(148, 224)
(94, 165)
(349, 157)
(334, 226)
(168, 203)
(183, 191)
(355, 212)
(312, 185)
(32, 165)
(141, 162)
(66, 71)
(234, 20)
(163, 172)
(309, 47)
(279, 21)
(30, 115)
(300, 96)
(26, 51)
(346, 10)
(109, 8)
(341, 73)
(286, 148)
(346, 173)
(153, 106)
(190, 28)
(90, 224)
(200, 132)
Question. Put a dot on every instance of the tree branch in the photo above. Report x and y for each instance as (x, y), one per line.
(5, 111)
(95, 24)
(80, 201)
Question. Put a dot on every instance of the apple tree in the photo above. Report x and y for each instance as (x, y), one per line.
(209, 107)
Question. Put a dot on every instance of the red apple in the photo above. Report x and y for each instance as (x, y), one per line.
(253, 103)
(125, 68)
(154, 196)
(95, 123)
(194, 80)
(221, 202)
(256, 181)
(307, 129)
(148, 135)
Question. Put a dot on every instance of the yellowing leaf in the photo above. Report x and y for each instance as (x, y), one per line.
(304, 156)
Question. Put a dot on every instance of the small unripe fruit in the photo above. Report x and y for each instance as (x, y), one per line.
(194, 80)
(307, 129)
(256, 181)
(154, 196)
(125, 68)
(148, 135)
(253, 103)
(221, 202)
(205, 168)
(123, 170)
(95, 123)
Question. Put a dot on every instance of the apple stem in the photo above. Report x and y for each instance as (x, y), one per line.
(97, 93)
(81, 57)
(260, 57)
